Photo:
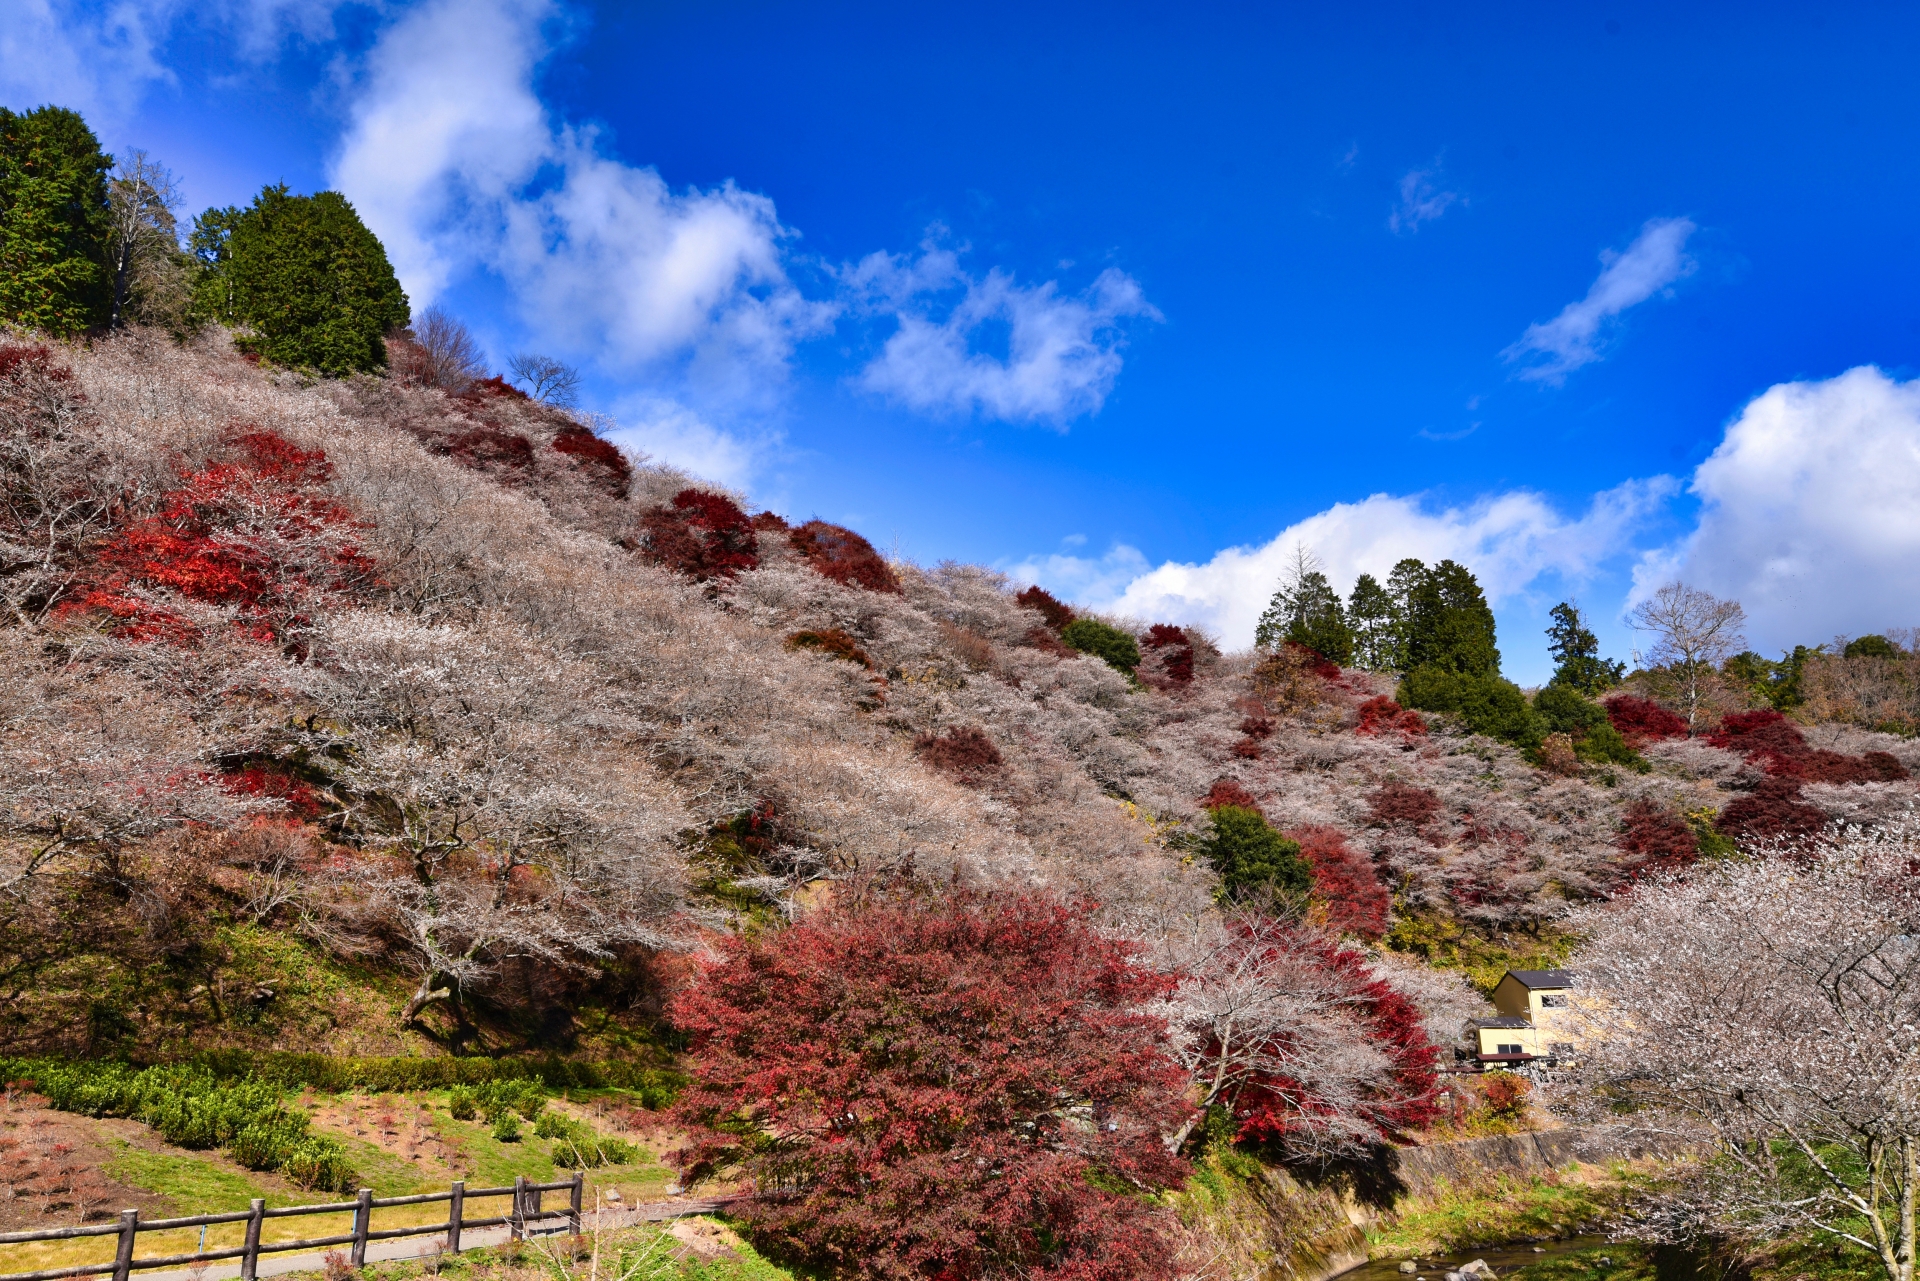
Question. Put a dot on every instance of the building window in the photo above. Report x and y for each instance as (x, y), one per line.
(1508, 1049)
(1557, 1001)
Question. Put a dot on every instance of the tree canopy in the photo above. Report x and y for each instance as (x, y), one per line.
(54, 221)
(1449, 623)
(1576, 653)
(1305, 610)
(305, 278)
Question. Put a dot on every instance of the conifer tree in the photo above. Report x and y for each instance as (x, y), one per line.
(53, 222)
(1576, 653)
(1305, 610)
(1378, 625)
(1449, 624)
(305, 278)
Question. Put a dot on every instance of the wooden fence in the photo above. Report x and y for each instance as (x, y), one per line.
(524, 1210)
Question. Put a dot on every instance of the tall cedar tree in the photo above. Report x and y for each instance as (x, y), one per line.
(1252, 858)
(958, 1088)
(1449, 624)
(1375, 619)
(54, 220)
(304, 276)
(1576, 653)
(1306, 611)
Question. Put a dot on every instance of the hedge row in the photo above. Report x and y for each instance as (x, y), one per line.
(193, 1107)
(656, 1086)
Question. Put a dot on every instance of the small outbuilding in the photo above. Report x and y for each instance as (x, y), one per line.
(1532, 1024)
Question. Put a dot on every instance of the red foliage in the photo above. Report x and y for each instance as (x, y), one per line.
(1176, 665)
(248, 535)
(1228, 791)
(1318, 663)
(493, 388)
(301, 800)
(1505, 1094)
(1247, 749)
(768, 523)
(1773, 809)
(1641, 720)
(702, 535)
(843, 556)
(1344, 882)
(1656, 839)
(1266, 1109)
(31, 359)
(1395, 802)
(485, 447)
(1046, 642)
(832, 642)
(607, 466)
(1382, 715)
(964, 752)
(912, 1076)
(1256, 727)
(1774, 743)
(1058, 615)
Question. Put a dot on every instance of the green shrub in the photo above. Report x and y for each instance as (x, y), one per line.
(578, 1146)
(1487, 704)
(657, 1086)
(191, 1107)
(506, 1127)
(1564, 711)
(1091, 636)
(462, 1105)
(1251, 857)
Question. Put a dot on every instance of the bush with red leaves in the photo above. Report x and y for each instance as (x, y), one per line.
(20, 362)
(1773, 809)
(1402, 803)
(1384, 716)
(1175, 651)
(1319, 664)
(1655, 839)
(963, 752)
(1268, 1108)
(832, 642)
(1774, 743)
(702, 535)
(1041, 600)
(250, 534)
(1228, 791)
(604, 464)
(1344, 882)
(487, 448)
(1247, 749)
(768, 523)
(299, 796)
(960, 1088)
(1642, 721)
(843, 556)
(494, 388)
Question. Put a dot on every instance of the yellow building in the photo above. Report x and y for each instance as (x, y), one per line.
(1533, 1022)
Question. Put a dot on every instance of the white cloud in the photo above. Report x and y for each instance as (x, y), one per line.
(1062, 353)
(1422, 199)
(1509, 541)
(1654, 260)
(1810, 511)
(668, 432)
(456, 165)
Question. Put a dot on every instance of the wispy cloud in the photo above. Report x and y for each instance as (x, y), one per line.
(1060, 353)
(1422, 200)
(1655, 260)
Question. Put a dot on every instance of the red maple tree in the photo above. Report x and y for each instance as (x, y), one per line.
(844, 556)
(953, 1089)
(701, 535)
(1642, 721)
(1344, 882)
(255, 534)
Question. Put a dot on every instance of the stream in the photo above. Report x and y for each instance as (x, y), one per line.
(1503, 1259)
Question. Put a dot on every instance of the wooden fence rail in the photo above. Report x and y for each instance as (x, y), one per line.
(524, 1209)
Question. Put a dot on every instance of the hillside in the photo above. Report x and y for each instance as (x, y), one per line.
(397, 680)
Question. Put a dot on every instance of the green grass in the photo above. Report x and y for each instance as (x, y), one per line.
(1614, 1261)
(1452, 1219)
(194, 1184)
(636, 1254)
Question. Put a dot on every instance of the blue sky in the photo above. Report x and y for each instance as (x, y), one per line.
(1133, 299)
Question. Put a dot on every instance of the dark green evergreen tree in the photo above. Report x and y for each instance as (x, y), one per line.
(53, 222)
(1252, 858)
(1576, 653)
(305, 279)
(1449, 624)
(1305, 610)
(1378, 626)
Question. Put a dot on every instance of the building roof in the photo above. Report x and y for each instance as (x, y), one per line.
(1537, 979)
(1502, 1022)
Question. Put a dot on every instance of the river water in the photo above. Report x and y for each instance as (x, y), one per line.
(1503, 1259)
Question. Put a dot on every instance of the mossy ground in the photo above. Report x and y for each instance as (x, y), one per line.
(1564, 1203)
(1446, 943)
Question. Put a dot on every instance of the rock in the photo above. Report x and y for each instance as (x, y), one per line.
(1408, 1266)
(613, 1195)
(1478, 1268)
(1539, 1249)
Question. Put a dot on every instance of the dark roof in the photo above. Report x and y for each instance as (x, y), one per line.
(1503, 1022)
(1542, 978)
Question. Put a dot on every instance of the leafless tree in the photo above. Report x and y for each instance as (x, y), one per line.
(1693, 630)
(1259, 1003)
(143, 243)
(1770, 1007)
(546, 379)
(443, 352)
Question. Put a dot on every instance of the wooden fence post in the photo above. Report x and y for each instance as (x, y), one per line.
(456, 1209)
(517, 1221)
(123, 1257)
(362, 1224)
(250, 1261)
(574, 1198)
